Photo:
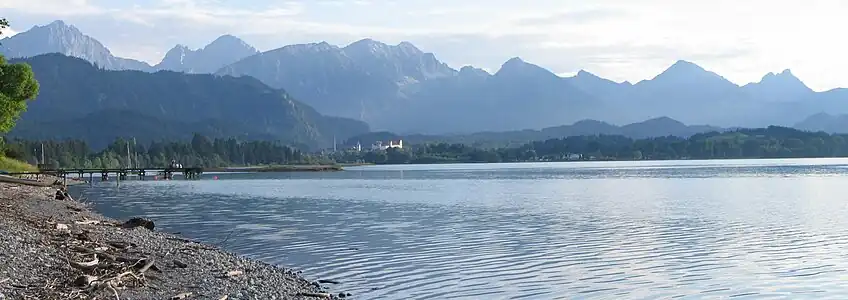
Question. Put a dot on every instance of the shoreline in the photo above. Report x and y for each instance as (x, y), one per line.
(595, 161)
(62, 249)
(280, 168)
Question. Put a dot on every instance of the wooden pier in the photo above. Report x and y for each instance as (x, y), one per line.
(120, 174)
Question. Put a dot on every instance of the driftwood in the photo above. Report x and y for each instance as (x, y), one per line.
(182, 296)
(114, 291)
(86, 265)
(120, 245)
(234, 273)
(88, 222)
(146, 266)
(330, 281)
(317, 295)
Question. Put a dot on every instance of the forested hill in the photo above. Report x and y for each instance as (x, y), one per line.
(199, 151)
(771, 142)
(81, 101)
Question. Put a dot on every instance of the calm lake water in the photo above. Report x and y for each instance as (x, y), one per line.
(606, 230)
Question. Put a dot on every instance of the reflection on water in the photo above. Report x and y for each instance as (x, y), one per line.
(535, 231)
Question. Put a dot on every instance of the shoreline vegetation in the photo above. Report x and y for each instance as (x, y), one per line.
(230, 155)
(770, 142)
(62, 249)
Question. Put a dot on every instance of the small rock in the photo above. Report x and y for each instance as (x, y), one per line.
(180, 264)
(234, 273)
(84, 280)
(342, 295)
(136, 222)
(182, 296)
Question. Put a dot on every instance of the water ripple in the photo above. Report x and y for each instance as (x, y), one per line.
(679, 230)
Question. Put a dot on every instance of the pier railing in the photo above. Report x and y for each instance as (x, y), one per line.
(120, 173)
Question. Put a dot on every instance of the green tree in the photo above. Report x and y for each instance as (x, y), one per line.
(17, 85)
(3, 25)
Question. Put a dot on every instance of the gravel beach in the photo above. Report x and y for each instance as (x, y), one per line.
(60, 249)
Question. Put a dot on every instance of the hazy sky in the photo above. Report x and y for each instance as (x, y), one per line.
(617, 39)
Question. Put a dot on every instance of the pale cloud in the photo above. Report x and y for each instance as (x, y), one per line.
(8, 32)
(618, 39)
(57, 8)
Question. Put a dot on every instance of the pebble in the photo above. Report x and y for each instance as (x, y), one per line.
(37, 254)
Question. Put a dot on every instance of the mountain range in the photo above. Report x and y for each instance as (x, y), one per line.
(78, 100)
(657, 127)
(824, 122)
(403, 89)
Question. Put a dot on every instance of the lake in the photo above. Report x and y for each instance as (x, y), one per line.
(579, 230)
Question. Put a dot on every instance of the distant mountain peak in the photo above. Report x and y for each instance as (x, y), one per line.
(588, 75)
(513, 64)
(821, 115)
(682, 66)
(663, 120)
(584, 73)
(222, 51)
(60, 37)
(321, 46)
(514, 61)
(686, 73)
(365, 41)
(780, 86)
(516, 65)
(784, 74)
(409, 47)
(57, 23)
(369, 45)
(229, 40)
(225, 37)
(589, 122)
(472, 71)
(60, 26)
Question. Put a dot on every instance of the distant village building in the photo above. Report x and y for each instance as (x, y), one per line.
(380, 146)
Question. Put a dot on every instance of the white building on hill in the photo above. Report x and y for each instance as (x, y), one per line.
(380, 146)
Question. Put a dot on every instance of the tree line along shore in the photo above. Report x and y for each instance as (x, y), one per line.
(228, 155)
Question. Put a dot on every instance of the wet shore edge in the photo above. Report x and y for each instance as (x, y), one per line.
(62, 249)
